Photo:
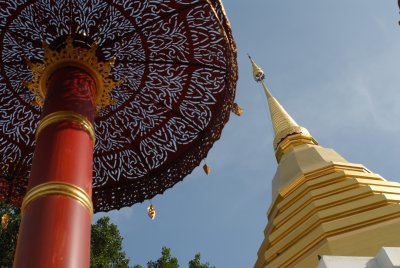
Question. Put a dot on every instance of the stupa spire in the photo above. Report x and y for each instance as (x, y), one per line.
(321, 203)
(287, 132)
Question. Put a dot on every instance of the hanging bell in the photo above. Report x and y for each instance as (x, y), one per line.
(236, 109)
(151, 211)
(207, 169)
(4, 220)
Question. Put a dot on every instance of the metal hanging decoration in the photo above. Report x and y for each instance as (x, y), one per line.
(104, 104)
(207, 169)
(236, 109)
(151, 211)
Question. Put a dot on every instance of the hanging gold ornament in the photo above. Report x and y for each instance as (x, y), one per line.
(236, 109)
(151, 211)
(4, 220)
(207, 169)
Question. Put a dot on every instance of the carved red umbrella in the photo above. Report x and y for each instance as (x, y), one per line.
(104, 104)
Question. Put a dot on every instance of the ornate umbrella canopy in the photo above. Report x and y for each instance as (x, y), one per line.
(176, 60)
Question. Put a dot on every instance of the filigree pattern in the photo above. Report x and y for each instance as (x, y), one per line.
(177, 63)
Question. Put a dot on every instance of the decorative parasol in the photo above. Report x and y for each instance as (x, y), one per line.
(176, 62)
(163, 77)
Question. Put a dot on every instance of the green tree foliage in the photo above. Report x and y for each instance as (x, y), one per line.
(9, 235)
(195, 263)
(165, 261)
(106, 246)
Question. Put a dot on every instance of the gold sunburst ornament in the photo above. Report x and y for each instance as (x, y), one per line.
(75, 57)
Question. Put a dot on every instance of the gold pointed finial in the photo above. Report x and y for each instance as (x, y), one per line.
(285, 127)
(258, 73)
(259, 76)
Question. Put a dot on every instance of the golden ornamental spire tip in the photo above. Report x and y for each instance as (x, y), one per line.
(259, 76)
(283, 124)
(258, 73)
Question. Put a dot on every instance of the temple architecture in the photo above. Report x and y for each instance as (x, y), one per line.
(322, 205)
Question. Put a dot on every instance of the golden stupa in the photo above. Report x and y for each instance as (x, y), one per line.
(321, 203)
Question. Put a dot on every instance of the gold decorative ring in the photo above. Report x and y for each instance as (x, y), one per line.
(66, 116)
(58, 188)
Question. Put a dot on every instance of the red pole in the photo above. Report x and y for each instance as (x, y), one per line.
(57, 210)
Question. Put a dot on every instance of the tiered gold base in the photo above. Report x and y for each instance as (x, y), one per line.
(334, 208)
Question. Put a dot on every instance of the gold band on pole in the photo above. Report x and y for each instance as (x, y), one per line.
(66, 116)
(58, 188)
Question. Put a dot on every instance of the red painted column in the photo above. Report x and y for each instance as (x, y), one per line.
(55, 228)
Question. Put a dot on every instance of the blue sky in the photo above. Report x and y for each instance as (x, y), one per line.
(334, 65)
